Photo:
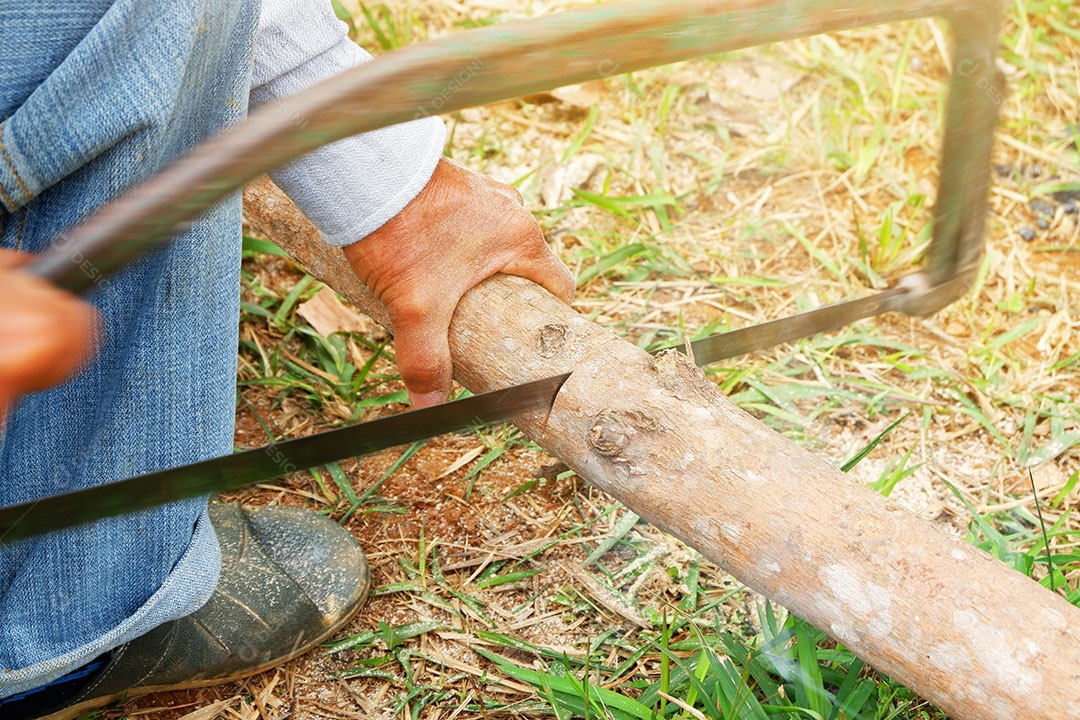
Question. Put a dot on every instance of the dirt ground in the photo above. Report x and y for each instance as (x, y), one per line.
(745, 173)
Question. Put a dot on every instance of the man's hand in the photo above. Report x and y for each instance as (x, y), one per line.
(45, 333)
(462, 228)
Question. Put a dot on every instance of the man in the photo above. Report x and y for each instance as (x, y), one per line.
(94, 97)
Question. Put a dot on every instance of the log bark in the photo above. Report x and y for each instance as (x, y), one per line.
(956, 626)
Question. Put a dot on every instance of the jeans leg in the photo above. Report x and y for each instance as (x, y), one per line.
(160, 390)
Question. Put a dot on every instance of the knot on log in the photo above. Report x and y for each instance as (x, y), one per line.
(609, 434)
(612, 431)
(551, 339)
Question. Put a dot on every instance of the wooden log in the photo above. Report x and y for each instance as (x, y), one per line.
(958, 627)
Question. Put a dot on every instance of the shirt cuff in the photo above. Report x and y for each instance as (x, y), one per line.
(350, 188)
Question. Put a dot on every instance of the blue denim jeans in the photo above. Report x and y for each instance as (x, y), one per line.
(95, 96)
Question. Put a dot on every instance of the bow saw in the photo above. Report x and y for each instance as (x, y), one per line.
(504, 62)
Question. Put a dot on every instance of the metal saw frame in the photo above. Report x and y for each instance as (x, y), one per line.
(518, 58)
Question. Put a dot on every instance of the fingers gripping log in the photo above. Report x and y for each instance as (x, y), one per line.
(960, 628)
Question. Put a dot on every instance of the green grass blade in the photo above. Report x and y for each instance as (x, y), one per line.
(869, 447)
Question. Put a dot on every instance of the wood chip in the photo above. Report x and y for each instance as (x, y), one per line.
(212, 710)
(461, 461)
(610, 600)
(328, 315)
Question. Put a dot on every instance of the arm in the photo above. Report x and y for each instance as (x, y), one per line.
(418, 229)
(351, 187)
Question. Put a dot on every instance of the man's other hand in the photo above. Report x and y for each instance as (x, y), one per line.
(463, 227)
(45, 333)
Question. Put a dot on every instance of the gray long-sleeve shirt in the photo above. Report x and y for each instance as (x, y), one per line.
(351, 187)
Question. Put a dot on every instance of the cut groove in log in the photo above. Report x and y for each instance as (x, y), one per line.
(956, 626)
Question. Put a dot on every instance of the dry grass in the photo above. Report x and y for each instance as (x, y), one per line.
(767, 181)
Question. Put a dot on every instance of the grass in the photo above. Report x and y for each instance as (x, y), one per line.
(789, 671)
(344, 373)
(687, 200)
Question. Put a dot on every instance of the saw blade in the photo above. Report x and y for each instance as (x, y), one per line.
(827, 318)
(252, 466)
